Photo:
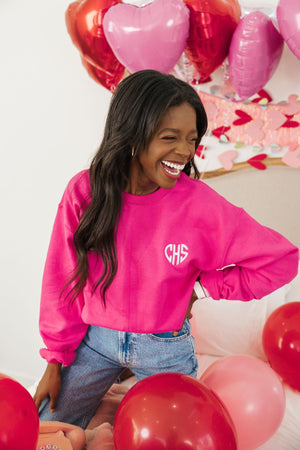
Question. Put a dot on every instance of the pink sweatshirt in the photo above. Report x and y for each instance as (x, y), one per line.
(165, 241)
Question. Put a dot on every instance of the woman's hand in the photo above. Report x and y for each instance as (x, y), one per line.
(49, 386)
(188, 314)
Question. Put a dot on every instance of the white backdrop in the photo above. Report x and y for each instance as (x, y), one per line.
(52, 116)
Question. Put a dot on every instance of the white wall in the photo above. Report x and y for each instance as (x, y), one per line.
(52, 115)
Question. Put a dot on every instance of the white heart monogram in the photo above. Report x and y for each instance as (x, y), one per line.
(176, 253)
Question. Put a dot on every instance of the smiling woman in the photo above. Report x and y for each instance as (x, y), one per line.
(171, 149)
(128, 245)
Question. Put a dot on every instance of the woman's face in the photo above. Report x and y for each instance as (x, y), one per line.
(171, 148)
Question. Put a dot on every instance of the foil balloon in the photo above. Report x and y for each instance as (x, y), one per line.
(212, 23)
(150, 37)
(255, 52)
(19, 420)
(107, 80)
(138, 2)
(252, 394)
(70, 17)
(172, 411)
(281, 342)
(84, 21)
(288, 13)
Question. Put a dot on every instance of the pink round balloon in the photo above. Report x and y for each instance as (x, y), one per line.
(254, 53)
(252, 394)
(151, 37)
(288, 12)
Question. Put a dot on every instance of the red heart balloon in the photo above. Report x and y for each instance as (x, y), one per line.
(84, 20)
(70, 22)
(212, 23)
(107, 80)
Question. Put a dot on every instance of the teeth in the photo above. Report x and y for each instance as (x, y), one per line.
(174, 166)
(173, 172)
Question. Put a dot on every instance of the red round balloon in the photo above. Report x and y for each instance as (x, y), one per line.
(212, 24)
(281, 342)
(172, 411)
(19, 420)
(84, 21)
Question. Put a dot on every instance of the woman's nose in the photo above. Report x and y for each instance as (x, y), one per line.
(185, 149)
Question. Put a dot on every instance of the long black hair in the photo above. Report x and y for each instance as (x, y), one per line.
(136, 109)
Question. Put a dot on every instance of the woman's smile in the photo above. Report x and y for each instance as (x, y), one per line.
(171, 148)
(172, 169)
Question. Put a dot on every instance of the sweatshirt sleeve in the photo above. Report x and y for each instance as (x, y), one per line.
(61, 326)
(256, 262)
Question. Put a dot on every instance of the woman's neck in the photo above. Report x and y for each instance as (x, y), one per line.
(139, 185)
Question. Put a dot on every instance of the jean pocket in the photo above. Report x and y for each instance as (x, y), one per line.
(168, 335)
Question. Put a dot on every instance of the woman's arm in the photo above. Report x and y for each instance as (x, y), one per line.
(61, 325)
(257, 261)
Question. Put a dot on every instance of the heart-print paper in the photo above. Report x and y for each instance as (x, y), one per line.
(255, 161)
(254, 129)
(292, 158)
(293, 106)
(227, 158)
(276, 119)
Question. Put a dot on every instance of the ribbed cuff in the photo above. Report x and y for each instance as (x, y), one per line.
(65, 358)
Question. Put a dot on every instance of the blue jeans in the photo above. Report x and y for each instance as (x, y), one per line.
(102, 356)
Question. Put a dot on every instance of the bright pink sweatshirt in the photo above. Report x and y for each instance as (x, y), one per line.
(165, 242)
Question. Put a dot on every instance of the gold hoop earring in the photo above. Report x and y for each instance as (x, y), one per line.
(132, 152)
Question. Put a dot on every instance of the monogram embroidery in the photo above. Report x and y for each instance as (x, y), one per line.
(176, 253)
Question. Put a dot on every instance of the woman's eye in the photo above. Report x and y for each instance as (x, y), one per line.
(173, 138)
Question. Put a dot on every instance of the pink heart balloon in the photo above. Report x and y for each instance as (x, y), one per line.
(254, 53)
(150, 37)
(288, 12)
